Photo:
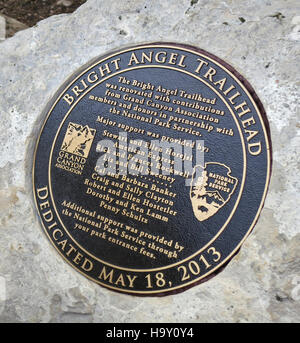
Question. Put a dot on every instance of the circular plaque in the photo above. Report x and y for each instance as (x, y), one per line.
(152, 167)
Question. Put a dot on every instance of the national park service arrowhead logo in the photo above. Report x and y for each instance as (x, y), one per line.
(78, 139)
(211, 188)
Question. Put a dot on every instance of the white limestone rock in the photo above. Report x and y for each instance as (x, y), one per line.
(260, 39)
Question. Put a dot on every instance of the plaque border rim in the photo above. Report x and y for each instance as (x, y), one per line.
(249, 90)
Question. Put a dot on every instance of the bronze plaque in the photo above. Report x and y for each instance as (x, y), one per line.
(152, 167)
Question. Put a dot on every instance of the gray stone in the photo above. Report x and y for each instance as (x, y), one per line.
(9, 26)
(261, 40)
(13, 26)
(65, 3)
(2, 28)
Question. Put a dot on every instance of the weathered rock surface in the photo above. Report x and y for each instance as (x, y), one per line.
(261, 40)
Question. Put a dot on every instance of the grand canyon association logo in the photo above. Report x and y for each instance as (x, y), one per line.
(211, 188)
(78, 139)
(75, 148)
